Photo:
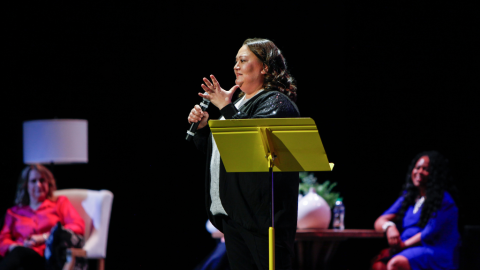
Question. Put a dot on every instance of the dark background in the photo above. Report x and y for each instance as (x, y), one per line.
(382, 81)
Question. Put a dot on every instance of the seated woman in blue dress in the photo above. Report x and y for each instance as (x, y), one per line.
(217, 259)
(421, 226)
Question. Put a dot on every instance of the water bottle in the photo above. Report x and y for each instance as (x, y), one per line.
(338, 215)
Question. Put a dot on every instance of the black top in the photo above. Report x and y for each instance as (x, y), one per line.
(246, 197)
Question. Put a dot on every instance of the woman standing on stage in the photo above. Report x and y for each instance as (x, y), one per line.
(239, 204)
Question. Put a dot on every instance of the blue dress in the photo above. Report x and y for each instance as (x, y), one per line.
(440, 240)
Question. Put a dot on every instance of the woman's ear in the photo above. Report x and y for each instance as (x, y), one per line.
(265, 69)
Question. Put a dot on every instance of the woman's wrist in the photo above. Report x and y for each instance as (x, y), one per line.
(223, 104)
(229, 111)
(386, 225)
(12, 246)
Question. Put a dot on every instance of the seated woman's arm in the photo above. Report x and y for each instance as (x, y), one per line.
(412, 241)
(393, 235)
(445, 219)
(382, 220)
(71, 219)
(6, 241)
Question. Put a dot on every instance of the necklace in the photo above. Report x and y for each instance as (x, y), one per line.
(418, 204)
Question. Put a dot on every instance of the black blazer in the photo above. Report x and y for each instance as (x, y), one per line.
(246, 197)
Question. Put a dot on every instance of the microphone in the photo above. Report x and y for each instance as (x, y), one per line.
(193, 128)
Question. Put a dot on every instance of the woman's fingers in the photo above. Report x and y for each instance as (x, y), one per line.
(28, 243)
(215, 82)
(208, 83)
(198, 109)
(195, 115)
(211, 87)
(204, 96)
(202, 118)
(217, 96)
(393, 241)
(390, 241)
(208, 90)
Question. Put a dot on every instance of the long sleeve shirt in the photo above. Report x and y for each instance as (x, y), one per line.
(22, 221)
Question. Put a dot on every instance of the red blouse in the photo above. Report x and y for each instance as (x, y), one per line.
(21, 222)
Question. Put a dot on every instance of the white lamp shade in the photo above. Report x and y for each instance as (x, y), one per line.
(57, 141)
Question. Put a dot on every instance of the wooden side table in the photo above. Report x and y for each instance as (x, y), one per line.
(316, 247)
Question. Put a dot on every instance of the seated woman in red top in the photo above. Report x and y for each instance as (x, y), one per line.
(28, 223)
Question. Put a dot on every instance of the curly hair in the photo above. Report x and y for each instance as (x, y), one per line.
(277, 78)
(439, 181)
(22, 198)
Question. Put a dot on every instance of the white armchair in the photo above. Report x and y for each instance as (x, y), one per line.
(94, 207)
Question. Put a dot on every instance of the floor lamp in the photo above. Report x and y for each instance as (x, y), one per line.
(55, 141)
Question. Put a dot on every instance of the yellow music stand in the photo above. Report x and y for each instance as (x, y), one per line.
(270, 145)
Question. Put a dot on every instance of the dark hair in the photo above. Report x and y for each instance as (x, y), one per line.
(22, 198)
(439, 181)
(277, 78)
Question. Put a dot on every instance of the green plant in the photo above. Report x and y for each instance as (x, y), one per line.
(308, 180)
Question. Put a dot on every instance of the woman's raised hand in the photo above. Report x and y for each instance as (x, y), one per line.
(217, 96)
(196, 114)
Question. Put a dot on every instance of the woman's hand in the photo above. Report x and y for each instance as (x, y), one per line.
(415, 240)
(34, 240)
(196, 114)
(29, 243)
(393, 238)
(217, 96)
(13, 246)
